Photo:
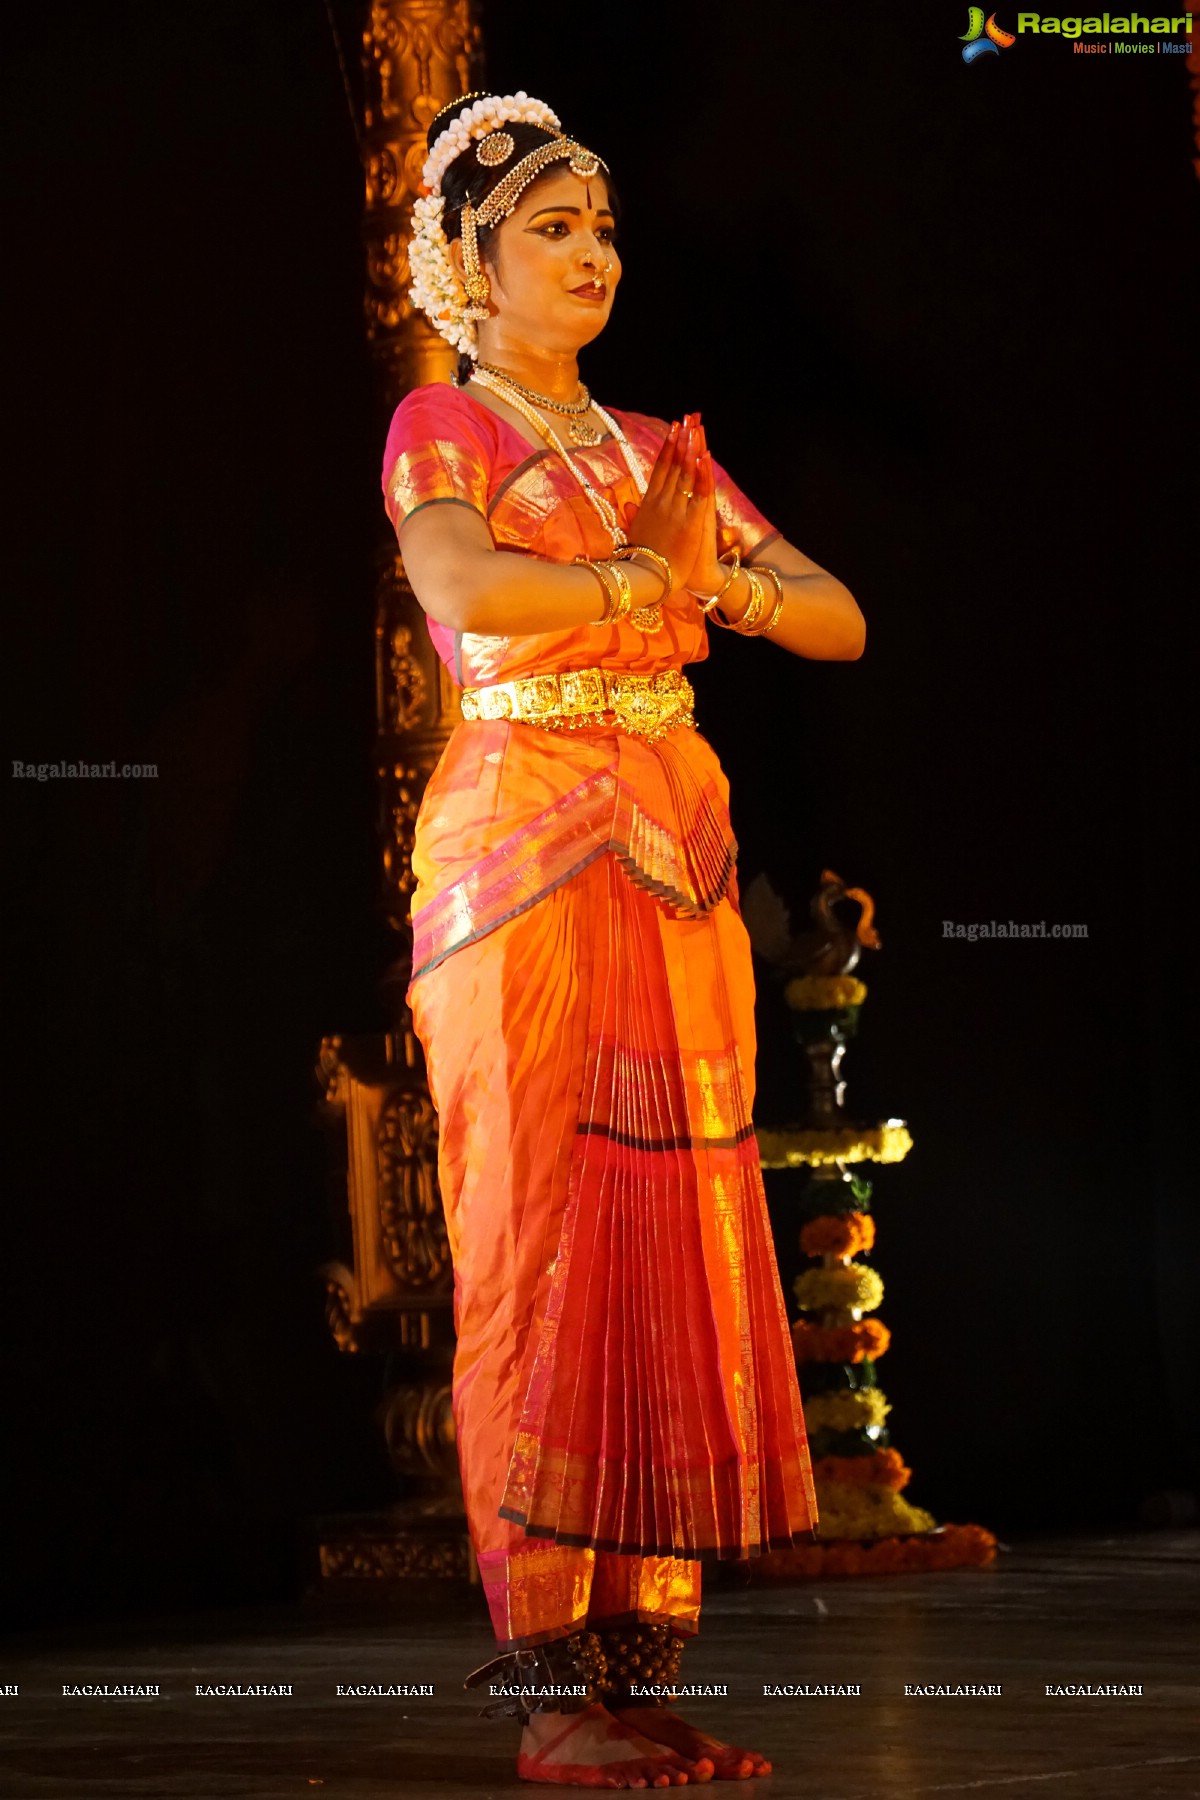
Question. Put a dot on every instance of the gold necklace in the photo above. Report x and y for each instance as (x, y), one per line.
(646, 618)
(579, 431)
(560, 406)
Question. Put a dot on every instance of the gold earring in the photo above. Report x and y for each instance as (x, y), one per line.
(476, 282)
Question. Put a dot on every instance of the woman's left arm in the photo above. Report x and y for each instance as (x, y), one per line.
(820, 616)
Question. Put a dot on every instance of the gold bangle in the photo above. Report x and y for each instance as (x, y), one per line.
(770, 623)
(611, 600)
(751, 623)
(625, 604)
(733, 624)
(708, 601)
(748, 623)
(773, 621)
(755, 628)
(628, 551)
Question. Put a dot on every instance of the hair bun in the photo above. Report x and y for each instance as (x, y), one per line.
(452, 108)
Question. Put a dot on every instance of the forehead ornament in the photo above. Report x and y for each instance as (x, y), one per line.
(585, 163)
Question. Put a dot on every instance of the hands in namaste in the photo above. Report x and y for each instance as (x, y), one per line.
(678, 513)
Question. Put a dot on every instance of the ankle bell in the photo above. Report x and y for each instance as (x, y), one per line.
(648, 1655)
(559, 1676)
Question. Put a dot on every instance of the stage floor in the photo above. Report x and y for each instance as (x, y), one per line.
(1099, 1611)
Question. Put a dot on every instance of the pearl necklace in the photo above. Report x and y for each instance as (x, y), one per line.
(646, 618)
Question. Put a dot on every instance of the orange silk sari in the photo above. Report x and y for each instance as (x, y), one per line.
(625, 1394)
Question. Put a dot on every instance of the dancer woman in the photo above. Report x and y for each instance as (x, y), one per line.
(625, 1395)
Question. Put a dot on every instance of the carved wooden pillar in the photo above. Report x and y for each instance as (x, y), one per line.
(393, 1290)
(417, 56)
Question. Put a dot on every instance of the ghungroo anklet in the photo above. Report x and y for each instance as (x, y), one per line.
(638, 1655)
(561, 1676)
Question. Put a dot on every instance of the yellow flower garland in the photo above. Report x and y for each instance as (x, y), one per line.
(850, 1511)
(838, 1234)
(846, 1409)
(855, 1285)
(886, 1143)
(824, 993)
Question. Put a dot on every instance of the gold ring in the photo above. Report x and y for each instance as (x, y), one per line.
(687, 492)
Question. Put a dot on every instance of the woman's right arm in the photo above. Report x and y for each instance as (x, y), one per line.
(465, 584)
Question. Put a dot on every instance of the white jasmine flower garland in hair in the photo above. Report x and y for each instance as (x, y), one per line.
(436, 290)
(477, 121)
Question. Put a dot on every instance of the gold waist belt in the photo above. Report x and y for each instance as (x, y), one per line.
(647, 705)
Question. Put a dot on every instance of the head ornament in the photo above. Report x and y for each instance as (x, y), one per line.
(495, 149)
(436, 288)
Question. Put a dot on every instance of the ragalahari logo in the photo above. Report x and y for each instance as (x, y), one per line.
(982, 39)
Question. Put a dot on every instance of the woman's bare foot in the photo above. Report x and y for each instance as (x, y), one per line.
(593, 1749)
(730, 1763)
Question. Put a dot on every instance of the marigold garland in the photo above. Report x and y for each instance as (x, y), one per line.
(944, 1547)
(866, 1526)
(795, 1149)
(846, 1409)
(881, 1469)
(838, 1234)
(840, 1343)
(854, 1285)
(824, 993)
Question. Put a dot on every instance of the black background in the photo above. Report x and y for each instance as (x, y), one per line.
(940, 321)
